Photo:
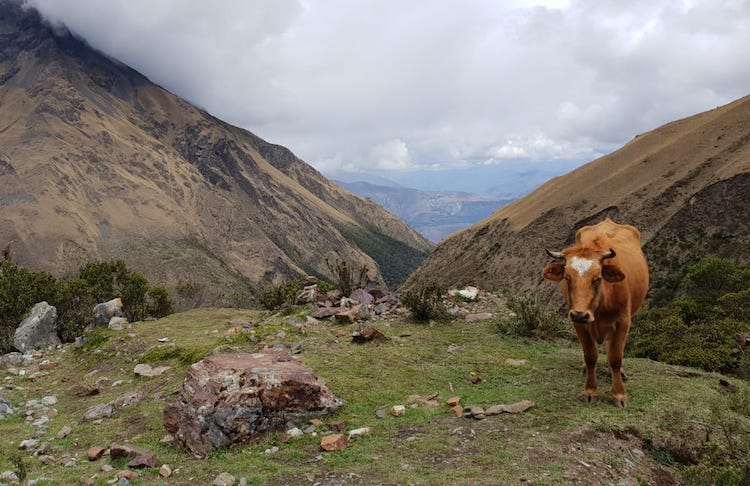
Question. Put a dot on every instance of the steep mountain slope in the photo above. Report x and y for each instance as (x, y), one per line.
(434, 214)
(97, 162)
(685, 185)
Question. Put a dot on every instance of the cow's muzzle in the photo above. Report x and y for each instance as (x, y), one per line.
(580, 317)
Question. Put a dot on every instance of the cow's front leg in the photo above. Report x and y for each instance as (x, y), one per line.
(590, 356)
(615, 353)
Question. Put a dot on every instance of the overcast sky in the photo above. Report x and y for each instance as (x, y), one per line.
(393, 85)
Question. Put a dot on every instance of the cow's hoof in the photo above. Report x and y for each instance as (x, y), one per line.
(590, 398)
(620, 402)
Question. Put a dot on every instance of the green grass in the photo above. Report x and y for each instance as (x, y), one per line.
(425, 446)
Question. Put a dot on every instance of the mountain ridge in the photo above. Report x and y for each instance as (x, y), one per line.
(673, 183)
(99, 163)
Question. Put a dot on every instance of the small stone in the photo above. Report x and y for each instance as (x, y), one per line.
(47, 459)
(128, 475)
(316, 422)
(380, 414)
(334, 442)
(495, 410)
(338, 426)
(40, 421)
(272, 450)
(477, 413)
(106, 468)
(453, 401)
(143, 369)
(519, 407)
(95, 453)
(294, 433)
(458, 411)
(164, 340)
(223, 479)
(143, 460)
(64, 432)
(165, 471)
(28, 444)
(49, 400)
(398, 410)
(360, 431)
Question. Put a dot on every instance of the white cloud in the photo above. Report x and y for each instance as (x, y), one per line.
(395, 85)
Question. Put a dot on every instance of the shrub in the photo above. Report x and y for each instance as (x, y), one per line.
(426, 303)
(158, 302)
(699, 329)
(529, 318)
(345, 277)
(280, 296)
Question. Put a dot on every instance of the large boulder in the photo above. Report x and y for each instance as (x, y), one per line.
(231, 398)
(38, 329)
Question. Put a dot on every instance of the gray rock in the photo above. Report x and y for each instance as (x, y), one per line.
(223, 479)
(39, 328)
(5, 408)
(118, 323)
(28, 444)
(11, 360)
(105, 311)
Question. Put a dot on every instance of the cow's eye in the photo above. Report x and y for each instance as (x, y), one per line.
(597, 280)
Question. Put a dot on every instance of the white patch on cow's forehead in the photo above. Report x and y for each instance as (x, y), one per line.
(581, 265)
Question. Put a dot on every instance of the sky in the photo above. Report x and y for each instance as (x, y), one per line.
(396, 86)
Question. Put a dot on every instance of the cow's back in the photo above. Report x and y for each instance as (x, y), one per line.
(626, 241)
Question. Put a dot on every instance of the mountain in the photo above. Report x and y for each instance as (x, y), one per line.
(685, 185)
(97, 162)
(434, 214)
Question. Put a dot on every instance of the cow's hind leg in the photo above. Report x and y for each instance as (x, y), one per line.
(590, 356)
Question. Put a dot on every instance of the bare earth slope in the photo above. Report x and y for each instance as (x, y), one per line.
(685, 185)
(96, 162)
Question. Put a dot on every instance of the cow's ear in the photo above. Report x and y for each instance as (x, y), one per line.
(611, 273)
(554, 272)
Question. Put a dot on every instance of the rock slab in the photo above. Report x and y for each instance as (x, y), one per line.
(231, 398)
(39, 328)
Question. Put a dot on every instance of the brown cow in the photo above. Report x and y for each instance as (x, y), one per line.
(604, 279)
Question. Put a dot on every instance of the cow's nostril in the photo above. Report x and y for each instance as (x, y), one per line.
(579, 317)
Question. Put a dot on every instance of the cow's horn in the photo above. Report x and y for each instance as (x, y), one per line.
(558, 255)
(610, 254)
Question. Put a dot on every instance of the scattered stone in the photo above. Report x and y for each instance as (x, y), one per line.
(165, 471)
(47, 459)
(334, 442)
(223, 479)
(5, 408)
(338, 426)
(48, 365)
(362, 296)
(380, 414)
(429, 401)
(28, 444)
(316, 422)
(106, 468)
(98, 412)
(360, 431)
(477, 413)
(144, 369)
(141, 461)
(10, 477)
(517, 407)
(118, 323)
(128, 475)
(64, 432)
(125, 450)
(398, 410)
(481, 316)
(366, 334)
(163, 340)
(95, 453)
(294, 433)
(230, 398)
(39, 328)
(272, 450)
(453, 401)
(457, 410)
(84, 391)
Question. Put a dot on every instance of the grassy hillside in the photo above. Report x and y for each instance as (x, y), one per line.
(677, 416)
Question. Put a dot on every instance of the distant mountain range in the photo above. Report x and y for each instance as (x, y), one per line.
(434, 214)
(97, 162)
(685, 185)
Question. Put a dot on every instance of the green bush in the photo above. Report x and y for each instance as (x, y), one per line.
(75, 298)
(529, 318)
(280, 296)
(426, 303)
(346, 278)
(699, 329)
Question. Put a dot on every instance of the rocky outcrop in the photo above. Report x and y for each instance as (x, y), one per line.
(231, 398)
(38, 329)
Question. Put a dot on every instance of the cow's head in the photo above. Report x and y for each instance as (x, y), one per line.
(580, 276)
